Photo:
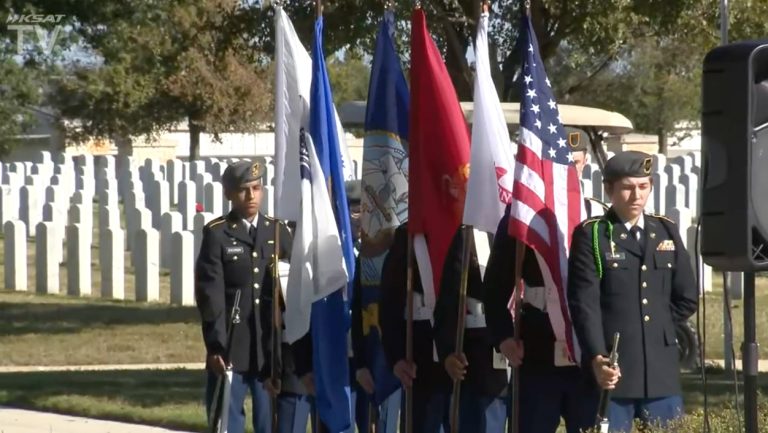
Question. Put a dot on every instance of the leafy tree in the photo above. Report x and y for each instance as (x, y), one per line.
(162, 61)
(349, 78)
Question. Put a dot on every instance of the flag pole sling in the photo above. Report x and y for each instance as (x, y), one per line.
(513, 425)
(466, 231)
(277, 323)
(409, 334)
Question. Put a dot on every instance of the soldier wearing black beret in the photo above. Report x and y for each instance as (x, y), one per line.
(630, 273)
(237, 253)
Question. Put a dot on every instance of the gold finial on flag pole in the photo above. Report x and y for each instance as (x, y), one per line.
(319, 8)
(417, 4)
(485, 6)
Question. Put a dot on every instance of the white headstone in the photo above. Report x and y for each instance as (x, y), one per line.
(109, 217)
(659, 162)
(196, 168)
(139, 219)
(675, 196)
(29, 208)
(659, 192)
(214, 197)
(200, 181)
(182, 269)
(9, 204)
(691, 183)
(186, 203)
(78, 260)
(147, 265)
(171, 223)
(15, 244)
(158, 202)
(112, 263)
(673, 173)
(47, 251)
(174, 174)
(201, 220)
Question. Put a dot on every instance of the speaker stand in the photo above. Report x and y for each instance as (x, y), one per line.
(750, 355)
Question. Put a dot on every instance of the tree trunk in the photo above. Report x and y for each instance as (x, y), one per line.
(194, 140)
(662, 134)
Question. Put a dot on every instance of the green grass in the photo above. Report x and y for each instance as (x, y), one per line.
(60, 330)
(713, 326)
(174, 398)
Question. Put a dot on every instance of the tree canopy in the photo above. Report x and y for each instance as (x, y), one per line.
(208, 62)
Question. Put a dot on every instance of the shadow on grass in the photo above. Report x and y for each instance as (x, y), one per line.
(169, 398)
(54, 318)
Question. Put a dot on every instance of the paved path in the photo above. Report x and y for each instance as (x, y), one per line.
(27, 421)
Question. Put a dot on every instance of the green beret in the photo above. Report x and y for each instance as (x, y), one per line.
(628, 164)
(241, 172)
(577, 139)
(354, 191)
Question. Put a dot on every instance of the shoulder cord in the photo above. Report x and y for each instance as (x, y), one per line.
(596, 245)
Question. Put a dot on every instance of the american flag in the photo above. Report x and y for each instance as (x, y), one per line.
(546, 197)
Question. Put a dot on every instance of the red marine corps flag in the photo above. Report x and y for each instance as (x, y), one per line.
(439, 158)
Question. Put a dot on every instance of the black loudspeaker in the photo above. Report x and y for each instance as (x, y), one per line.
(734, 129)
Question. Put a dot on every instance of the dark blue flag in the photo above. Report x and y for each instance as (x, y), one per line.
(385, 192)
(330, 316)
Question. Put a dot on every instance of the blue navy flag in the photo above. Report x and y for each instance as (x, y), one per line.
(384, 204)
(330, 316)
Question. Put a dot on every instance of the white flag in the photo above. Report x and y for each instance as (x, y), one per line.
(492, 157)
(317, 261)
(293, 79)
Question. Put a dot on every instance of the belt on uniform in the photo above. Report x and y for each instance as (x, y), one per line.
(420, 311)
(475, 314)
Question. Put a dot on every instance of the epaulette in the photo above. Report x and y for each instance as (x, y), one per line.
(216, 221)
(662, 217)
(590, 220)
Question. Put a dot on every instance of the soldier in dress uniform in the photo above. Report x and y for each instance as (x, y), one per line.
(630, 273)
(551, 387)
(428, 379)
(483, 397)
(237, 254)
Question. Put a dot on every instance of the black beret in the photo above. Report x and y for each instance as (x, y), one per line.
(577, 139)
(241, 172)
(354, 191)
(628, 164)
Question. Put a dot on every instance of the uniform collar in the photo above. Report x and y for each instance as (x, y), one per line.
(640, 223)
(254, 223)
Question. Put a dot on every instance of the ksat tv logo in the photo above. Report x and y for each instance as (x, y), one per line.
(36, 24)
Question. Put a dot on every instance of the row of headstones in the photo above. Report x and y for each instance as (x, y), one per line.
(180, 249)
(675, 183)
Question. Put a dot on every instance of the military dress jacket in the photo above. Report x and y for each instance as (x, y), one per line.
(231, 260)
(617, 285)
(481, 375)
(430, 374)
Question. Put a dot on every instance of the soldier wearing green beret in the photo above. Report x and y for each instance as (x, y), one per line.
(630, 273)
(237, 253)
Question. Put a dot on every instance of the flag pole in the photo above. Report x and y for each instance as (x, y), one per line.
(466, 231)
(277, 320)
(513, 425)
(409, 334)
